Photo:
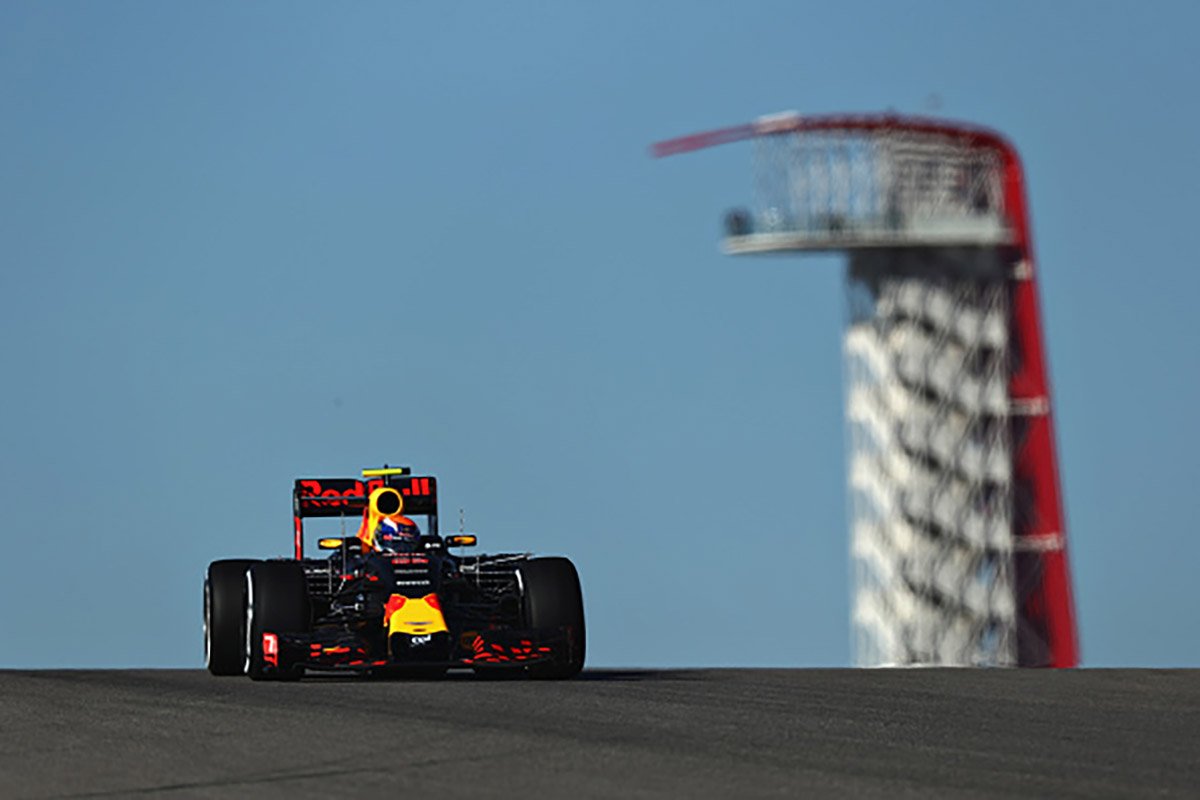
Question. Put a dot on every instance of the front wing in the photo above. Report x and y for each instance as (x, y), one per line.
(485, 649)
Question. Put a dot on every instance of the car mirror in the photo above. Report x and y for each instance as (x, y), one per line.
(352, 543)
(462, 540)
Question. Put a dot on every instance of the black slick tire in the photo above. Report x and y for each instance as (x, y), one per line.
(224, 616)
(276, 602)
(552, 598)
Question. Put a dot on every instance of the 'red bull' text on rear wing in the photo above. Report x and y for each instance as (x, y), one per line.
(347, 497)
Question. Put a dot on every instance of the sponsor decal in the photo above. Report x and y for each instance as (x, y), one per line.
(270, 648)
(338, 492)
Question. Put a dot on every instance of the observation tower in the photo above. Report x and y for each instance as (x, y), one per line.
(957, 533)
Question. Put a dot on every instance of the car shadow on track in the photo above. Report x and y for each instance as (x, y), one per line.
(589, 675)
(635, 675)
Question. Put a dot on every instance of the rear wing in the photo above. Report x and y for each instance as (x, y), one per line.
(347, 497)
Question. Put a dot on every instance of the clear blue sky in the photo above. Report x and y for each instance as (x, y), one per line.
(242, 242)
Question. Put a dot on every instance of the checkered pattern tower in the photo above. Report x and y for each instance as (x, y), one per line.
(956, 527)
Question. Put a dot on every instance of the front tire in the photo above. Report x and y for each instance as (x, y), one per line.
(224, 616)
(277, 603)
(553, 599)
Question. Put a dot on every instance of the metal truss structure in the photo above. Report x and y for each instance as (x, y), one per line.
(957, 532)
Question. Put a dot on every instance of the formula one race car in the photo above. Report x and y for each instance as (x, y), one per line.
(390, 599)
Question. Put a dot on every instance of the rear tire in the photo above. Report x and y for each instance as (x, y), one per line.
(276, 602)
(224, 616)
(553, 599)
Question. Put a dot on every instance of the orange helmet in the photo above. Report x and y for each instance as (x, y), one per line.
(384, 511)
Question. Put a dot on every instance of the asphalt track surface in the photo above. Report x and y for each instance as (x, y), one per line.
(610, 733)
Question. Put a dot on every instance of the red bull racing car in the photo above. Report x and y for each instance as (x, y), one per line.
(391, 598)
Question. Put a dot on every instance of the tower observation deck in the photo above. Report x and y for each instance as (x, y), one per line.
(956, 527)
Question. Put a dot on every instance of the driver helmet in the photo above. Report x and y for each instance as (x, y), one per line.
(397, 534)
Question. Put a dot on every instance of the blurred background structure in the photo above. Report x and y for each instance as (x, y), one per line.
(956, 524)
